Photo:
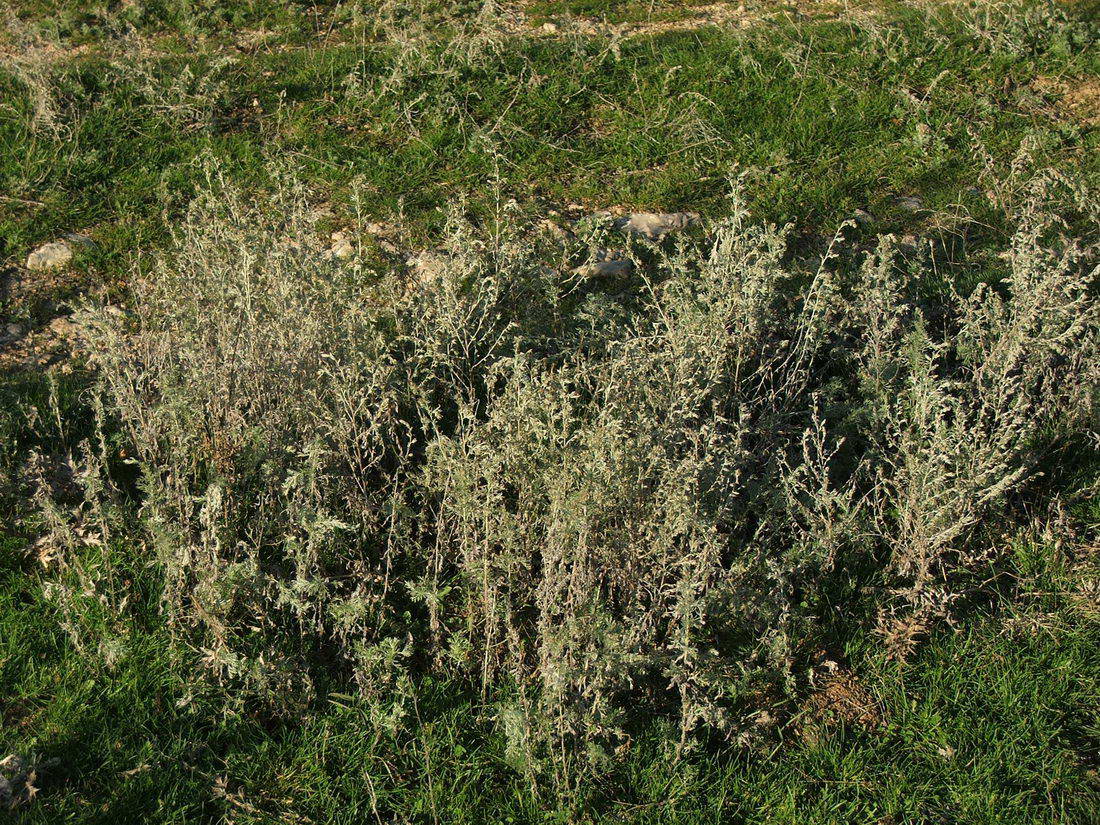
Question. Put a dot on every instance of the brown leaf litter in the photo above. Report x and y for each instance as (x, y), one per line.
(839, 698)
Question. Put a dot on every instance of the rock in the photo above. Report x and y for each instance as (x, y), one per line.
(320, 213)
(53, 255)
(863, 219)
(428, 266)
(656, 225)
(62, 327)
(605, 269)
(909, 245)
(556, 230)
(606, 265)
(549, 28)
(17, 782)
(79, 239)
(909, 204)
(342, 248)
(376, 230)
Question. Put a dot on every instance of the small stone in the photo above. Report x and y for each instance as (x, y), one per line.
(79, 239)
(606, 265)
(909, 204)
(429, 266)
(17, 781)
(321, 212)
(61, 326)
(13, 331)
(556, 230)
(53, 255)
(656, 225)
(342, 248)
(863, 219)
(605, 269)
(549, 28)
(908, 245)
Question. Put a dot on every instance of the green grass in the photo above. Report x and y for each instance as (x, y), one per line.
(996, 722)
(829, 117)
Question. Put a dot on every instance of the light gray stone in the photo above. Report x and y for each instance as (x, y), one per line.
(656, 225)
(429, 266)
(341, 249)
(53, 255)
(606, 265)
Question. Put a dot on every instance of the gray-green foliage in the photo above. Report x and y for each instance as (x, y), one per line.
(961, 412)
(585, 498)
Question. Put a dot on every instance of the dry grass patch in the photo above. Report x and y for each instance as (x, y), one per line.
(840, 698)
(1077, 100)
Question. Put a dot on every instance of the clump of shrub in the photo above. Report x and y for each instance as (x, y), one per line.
(585, 500)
